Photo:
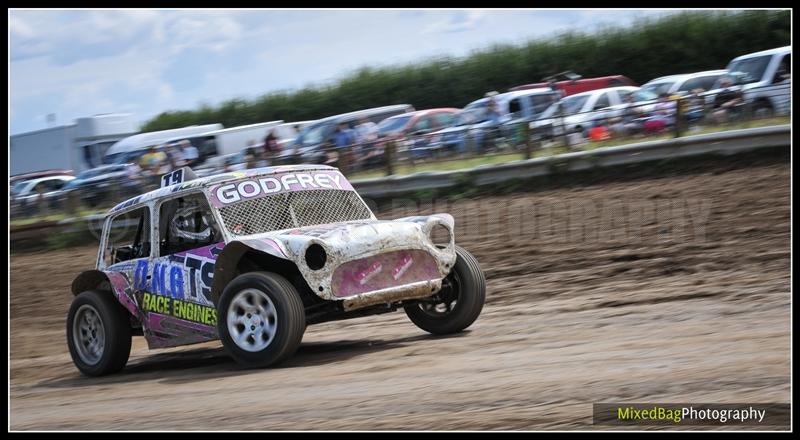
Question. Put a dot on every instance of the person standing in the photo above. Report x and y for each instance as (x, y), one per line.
(189, 152)
(152, 163)
(270, 148)
(343, 140)
(727, 101)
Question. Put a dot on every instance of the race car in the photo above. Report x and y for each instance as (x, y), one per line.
(253, 257)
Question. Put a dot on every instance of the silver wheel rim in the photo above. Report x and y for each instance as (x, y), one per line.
(88, 334)
(252, 320)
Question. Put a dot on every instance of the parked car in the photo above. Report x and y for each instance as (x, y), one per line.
(764, 79)
(251, 258)
(415, 126)
(36, 174)
(577, 113)
(24, 194)
(309, 145)
(473, 125)
(97, 185)
(684, 83)
(569, 83)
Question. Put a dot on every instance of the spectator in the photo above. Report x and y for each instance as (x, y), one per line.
(694, 106)
(366, 131)
(665, 109)
(153, 163)
(189, 153)
(250, 159)
(270, 149)
(663, 115)
(493, 115)
(271, 143)
(727, 101)
(175, 156)
(366, 134)
(343, 138)
(629, 122)
(133, 183)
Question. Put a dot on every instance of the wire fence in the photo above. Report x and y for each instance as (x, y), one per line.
(467, 146)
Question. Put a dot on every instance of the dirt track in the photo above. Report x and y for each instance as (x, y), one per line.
(673, 289)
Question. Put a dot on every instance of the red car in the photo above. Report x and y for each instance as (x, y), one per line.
(418, 122)
(573, 86)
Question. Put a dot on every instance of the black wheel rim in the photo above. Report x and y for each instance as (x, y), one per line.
(446, 300)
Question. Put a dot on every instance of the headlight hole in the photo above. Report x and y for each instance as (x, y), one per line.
(440, 236)
(316, 257)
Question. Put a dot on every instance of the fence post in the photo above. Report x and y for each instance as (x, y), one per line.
(344, 159)
(526, 130)
(389, 156)
(72, 203)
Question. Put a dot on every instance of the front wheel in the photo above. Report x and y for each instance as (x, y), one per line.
(98, 333)
(261, 319)
(457, 305)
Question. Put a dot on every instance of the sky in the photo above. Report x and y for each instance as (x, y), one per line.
(76, 63)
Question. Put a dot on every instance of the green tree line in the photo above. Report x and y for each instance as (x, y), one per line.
(678, 43)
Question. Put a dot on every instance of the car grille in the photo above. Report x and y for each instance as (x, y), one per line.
(293, 210)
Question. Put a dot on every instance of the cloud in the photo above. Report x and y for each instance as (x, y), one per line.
(211, 32)
(80, 62)
(457, 22)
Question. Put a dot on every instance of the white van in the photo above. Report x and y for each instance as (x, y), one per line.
(765, 80)
(130, 148)
(229, 140)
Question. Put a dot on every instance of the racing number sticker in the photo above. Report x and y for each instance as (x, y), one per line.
(172, 178)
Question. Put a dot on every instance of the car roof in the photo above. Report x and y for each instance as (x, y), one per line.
(507, 96)
(366, 112)
(140, 141)
(685, 76)
(591, 92)
(777, 50)
(518, 93)
(42, 179)
(204, 182)
(37, 180)
(425, 112)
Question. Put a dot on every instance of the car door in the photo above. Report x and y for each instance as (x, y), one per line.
(127, 256)
(189, 241)
(596, 104)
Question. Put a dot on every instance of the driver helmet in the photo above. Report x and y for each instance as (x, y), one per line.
(190, 223)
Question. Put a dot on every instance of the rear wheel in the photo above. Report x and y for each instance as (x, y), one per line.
(457, 305)
(98, 333)
(261, 319)
(763, 109)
